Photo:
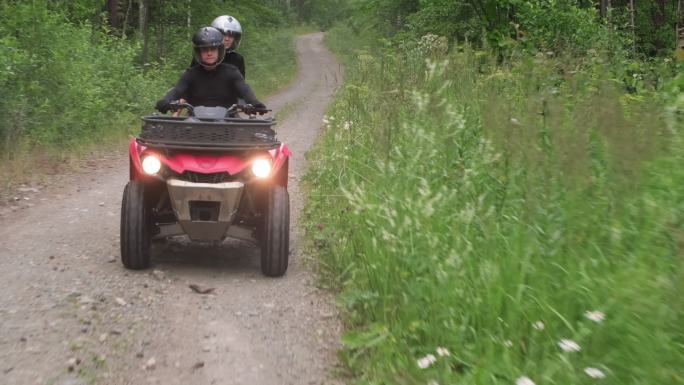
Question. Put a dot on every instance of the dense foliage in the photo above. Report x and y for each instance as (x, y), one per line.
(646, 28)
(75, 71)
(506, 210)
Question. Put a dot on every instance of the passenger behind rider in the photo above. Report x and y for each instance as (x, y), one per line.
(232, 35)
(210, 83)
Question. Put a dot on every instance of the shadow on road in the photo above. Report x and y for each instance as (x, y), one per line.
(228, 257)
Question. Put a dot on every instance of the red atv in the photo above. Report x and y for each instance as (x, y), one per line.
(210, 175)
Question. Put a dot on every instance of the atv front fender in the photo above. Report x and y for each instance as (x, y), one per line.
(281, 160)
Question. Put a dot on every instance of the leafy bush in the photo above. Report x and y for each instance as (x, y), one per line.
(562, 26)
(67, 88)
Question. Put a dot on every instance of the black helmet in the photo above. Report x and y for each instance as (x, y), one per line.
(204, 38)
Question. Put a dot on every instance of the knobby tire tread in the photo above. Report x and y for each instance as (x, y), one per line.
(135, 236)
(276, 247)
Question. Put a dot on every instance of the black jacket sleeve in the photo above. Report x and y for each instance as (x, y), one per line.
(245, 92)
(175, 93)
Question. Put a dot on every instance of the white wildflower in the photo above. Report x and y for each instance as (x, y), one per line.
(508, 343)
(539, 325)
(443, 352)
(595, 315)
(325, 120)
(433, 382)
(524, 381)
(423, 363)
(569, 346)
(594, 373)
(426, 361)
(347, 125)
(515, 121)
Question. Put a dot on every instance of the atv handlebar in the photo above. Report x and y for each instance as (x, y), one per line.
(176, 106)
(248, 109)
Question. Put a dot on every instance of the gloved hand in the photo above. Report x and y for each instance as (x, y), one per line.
(259, 108)
(163, 106)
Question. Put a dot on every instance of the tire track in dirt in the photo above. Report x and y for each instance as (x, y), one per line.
(71, 304)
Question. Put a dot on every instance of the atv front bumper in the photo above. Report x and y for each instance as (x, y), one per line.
(205, 211)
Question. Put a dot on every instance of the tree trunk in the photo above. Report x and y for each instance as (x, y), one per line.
(299, 8)
(605, 6)
(125, 20)
(144, 28)
(633, 26)
(603, 9)
(161, 30)
(113, 9)
(482, 14)
(141, 14)
(679, 18)
(680, 29)
(189, 14)
(659, 18)
(678, 25)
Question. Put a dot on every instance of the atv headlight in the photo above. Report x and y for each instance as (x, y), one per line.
(151, 165)
(261, 167)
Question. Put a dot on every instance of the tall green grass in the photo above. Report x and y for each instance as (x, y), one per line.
(488, 208)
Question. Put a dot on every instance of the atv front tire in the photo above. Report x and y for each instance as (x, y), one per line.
(275, 247)
(135, 227)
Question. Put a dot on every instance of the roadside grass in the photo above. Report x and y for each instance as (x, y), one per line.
(285, 111)
(485, 222)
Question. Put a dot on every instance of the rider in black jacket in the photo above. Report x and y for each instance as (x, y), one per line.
(211, 83)
(232, 35)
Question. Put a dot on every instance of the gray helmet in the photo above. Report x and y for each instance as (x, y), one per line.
(229, 25)
(208, 37)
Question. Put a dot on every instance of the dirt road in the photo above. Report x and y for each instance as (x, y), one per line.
(71, 314)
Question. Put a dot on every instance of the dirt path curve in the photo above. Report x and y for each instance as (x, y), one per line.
(71, 314)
